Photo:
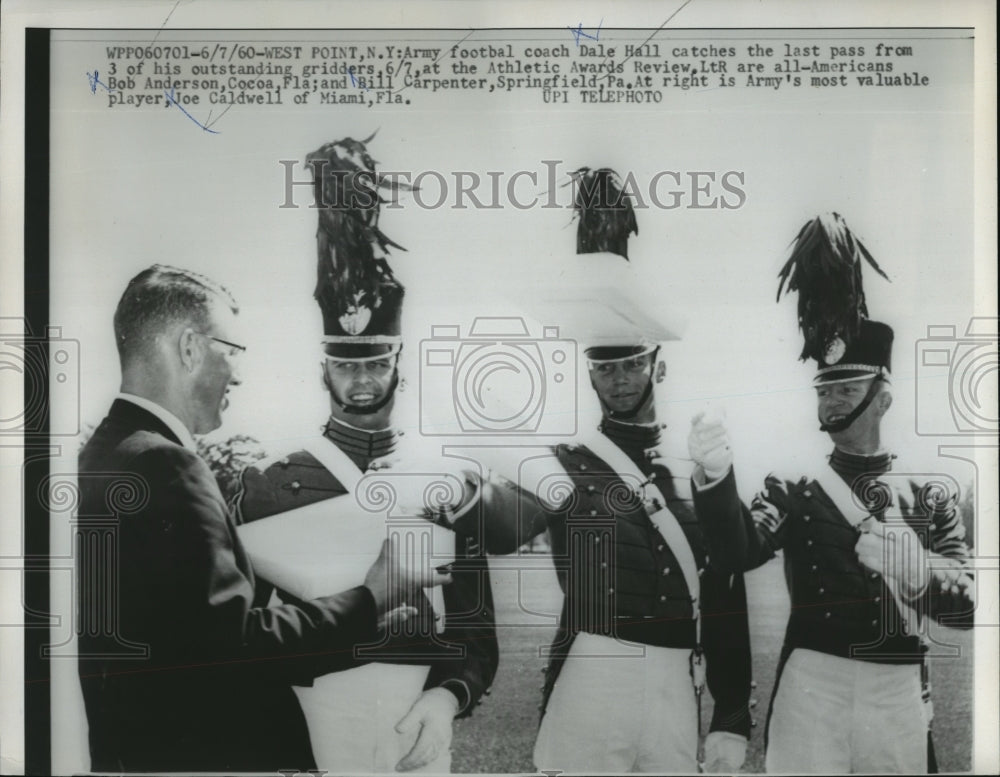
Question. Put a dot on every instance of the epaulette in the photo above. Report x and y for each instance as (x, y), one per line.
(283, 482)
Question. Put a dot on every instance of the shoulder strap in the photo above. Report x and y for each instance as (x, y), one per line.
(840, 494)
(334, 459)
(843, 499)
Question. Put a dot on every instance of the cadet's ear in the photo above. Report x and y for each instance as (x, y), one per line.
(884, 399)
(661, 371)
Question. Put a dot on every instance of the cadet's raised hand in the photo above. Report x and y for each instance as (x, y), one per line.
(709, 446)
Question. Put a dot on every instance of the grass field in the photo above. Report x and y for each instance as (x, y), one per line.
(500, 735)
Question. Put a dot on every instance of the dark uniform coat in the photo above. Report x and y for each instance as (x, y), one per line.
(621, 577)
(840, 607)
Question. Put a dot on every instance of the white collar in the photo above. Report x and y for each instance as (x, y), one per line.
(172, 422)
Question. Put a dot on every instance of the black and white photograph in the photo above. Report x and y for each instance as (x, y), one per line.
(491, 388)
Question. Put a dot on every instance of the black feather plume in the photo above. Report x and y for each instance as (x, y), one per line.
(825, 269)
(605, 214)
(352, 250)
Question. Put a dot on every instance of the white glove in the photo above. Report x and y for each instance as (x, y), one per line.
(419, 489)
(895, 552)
(709, 446)
(433, 712)
(724, 752)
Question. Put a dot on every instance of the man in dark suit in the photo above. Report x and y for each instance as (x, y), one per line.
(182, 668)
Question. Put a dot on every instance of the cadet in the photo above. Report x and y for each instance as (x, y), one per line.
(869, 552)
(394, 709)
(645, 612)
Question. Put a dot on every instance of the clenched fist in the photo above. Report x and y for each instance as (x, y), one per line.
(709, 446)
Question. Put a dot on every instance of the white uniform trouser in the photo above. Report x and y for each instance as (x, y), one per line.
(840, 715)
(612, 710)
(352, 717)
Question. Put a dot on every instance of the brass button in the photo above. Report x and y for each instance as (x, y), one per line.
(284, 463)
(875, 622)
(666, 570)
(809, 543)
(805, 518)
(660, 547)
(874, 575)
(593, 512)
(611, 590)
(822, 590)
(663, 598)
(604, 565)
(583, 468)
(826, 614)
(807, 493)
(591, 488)
(597, 540)
(877, 599)
(814, 567)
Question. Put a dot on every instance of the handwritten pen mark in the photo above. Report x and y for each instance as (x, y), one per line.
(173, 100)
(165, 22)
(579, 33)
(655, 32)
(95, 82)
(357, 81)
(437, 59)
(212, 123)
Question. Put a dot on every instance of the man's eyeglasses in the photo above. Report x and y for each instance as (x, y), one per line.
(234, 348)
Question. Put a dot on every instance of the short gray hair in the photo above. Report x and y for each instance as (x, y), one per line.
(158, 297)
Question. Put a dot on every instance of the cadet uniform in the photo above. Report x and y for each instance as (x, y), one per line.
(644, 611)
(848, 694)
(609, 706)
(351, 714)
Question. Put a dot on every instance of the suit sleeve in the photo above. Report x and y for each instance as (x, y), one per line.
(470, 623)
(725, 637)
(212, 596)
(949, 597)
(741, 538)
